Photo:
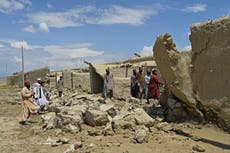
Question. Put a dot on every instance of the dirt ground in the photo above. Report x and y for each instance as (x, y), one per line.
(17, 138)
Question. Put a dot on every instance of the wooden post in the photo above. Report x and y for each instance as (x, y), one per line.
(23, 79)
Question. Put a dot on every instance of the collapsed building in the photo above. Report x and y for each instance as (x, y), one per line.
(196, 82)
(91, 79)
(199, 79)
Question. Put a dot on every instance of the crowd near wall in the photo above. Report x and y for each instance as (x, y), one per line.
(92, 80)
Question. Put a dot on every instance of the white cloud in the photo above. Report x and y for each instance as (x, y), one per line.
(17, 44)
(91, 15)
(69, 18)
(2, 46)
(72, 50)
(43, 27)
(29, 28)
(147, 51)
(187, 48)
(49, 5)
(122, 15)
(9, 6)
(59, 56)
(195, 8)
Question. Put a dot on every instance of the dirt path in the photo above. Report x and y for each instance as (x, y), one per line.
(16, 138)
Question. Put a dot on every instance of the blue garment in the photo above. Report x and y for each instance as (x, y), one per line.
(147, 80)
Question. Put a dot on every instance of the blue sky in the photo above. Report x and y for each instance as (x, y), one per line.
(62, 33)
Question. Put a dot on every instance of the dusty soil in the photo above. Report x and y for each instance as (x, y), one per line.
(15, 137)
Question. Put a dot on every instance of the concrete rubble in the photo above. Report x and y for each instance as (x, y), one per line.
(141, 134)
(113, 115)
(198, 80)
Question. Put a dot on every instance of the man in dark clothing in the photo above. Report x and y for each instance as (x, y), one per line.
(60, 86)
(134, 83)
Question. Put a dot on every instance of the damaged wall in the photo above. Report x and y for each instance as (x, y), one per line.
(31, 76)
(81, 80)
(211, 59)
(200, 80)
(175, 70)
(67, 79)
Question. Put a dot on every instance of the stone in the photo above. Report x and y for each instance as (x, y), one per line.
(141, 134)
(51, 121)
(56, 141)
(134, 100)
(71, 129)
(101, 100)
(54, 108)
(96, 118)
(198, 148)
(91, 145)
(58, 132)
(77, 145)
(164, 126)
(123, 122)
(109, 108)
(75, 110)
(108, 130)
(63, 140)
(73, 147)
(95, 132)
(69, 119)
(53, 142)
(142, 118)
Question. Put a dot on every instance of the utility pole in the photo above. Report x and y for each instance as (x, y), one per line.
(6, 70)
(23, 79)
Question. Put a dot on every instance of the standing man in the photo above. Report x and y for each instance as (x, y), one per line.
(134, 83)
(60, 87)
(147, 79)
(39, 95)
(28, 106)
(154, 86)
(108, 84)
(140, 83)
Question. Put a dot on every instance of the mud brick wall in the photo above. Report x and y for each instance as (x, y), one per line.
(31, 76)
(81, 80)
(122, 87)
(67, 79)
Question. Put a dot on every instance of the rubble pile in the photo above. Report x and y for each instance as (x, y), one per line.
(198, 79)
(112, 116)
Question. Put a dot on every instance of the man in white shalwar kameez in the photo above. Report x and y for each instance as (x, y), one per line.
(39, 95)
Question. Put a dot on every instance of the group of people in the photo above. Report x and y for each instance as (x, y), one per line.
(34, 99)
(145, 86)
(141, 86)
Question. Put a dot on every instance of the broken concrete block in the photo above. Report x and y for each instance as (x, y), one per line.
(51, 121)
(141, 134)
(142, 118)
(96, 118)
(174, 68)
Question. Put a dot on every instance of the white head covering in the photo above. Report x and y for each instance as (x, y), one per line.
(39, 79)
